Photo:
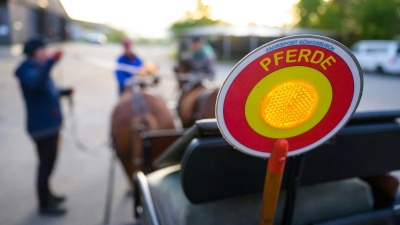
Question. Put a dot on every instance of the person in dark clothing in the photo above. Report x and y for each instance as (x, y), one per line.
(44, 117)
(202, 59)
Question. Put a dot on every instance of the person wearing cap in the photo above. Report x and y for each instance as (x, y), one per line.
(43, 116)
(202, 59)
(128, 65)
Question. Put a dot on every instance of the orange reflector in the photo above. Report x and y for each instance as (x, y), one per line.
(289, 104)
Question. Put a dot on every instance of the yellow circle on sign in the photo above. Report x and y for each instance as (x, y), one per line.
(307, 75)
(289, 104)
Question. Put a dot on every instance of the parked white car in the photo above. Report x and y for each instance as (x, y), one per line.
(97, 38)
(381, 56)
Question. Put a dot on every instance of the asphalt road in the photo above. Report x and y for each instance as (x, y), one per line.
(83, 175)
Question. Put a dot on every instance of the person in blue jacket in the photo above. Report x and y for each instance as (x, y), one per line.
(128, 64)
(44, 117)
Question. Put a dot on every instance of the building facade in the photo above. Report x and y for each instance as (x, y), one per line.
(232, 43)
(22, 19)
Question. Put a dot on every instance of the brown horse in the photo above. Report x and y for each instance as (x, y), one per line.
(137, 109)
(196, 101)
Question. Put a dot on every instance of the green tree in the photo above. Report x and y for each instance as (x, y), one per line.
(201, 16)
(352, 20)
(306, 12)
(377, 19)
(116, 35)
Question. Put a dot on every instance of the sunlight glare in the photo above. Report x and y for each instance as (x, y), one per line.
(267, 12)
(152, 18)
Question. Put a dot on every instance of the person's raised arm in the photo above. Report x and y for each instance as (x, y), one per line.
(34, 78)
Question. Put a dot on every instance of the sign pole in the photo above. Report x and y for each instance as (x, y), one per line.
(273, 179)
(294, 175)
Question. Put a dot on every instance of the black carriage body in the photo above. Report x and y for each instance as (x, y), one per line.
(203, 180)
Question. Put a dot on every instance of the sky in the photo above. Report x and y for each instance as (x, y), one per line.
(151, 18)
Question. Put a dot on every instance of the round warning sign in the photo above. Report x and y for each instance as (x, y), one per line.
(302, 88)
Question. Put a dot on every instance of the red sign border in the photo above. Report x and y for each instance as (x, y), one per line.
(340, 50)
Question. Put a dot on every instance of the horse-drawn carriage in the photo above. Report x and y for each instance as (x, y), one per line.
(202, 180)
(142, 126)
(195, 176)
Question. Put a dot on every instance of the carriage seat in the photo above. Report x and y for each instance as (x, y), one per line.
(397, 202)
(314, 203)
(378, 217)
